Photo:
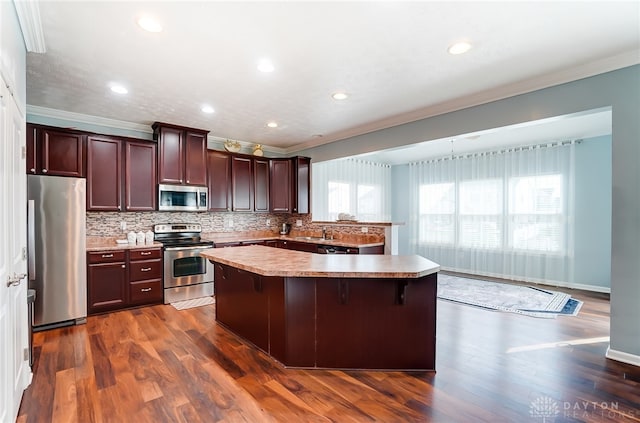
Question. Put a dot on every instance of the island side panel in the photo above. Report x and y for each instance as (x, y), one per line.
(300, 322)
(376, 323)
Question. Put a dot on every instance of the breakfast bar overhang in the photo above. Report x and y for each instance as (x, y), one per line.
(329, 311)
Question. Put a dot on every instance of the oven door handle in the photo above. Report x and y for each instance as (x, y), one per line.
(200, 247)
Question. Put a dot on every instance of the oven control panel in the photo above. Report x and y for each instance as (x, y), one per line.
(167, 228)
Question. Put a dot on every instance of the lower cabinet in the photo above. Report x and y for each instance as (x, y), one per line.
(118, 279)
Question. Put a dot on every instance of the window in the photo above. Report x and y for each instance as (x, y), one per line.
(437, 213)
(481, 213)
(536, 213)
(351, 186)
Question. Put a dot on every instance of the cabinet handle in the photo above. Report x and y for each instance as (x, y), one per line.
(343, 292)
(187, 181)
(145, 253)
(145, 269)
(107, 255)
(401, 292)
(145, 289)
(123, 266)
(44, 170)
(33, 170)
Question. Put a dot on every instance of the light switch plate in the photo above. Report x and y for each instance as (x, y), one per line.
(298, 222)
(364, 229)
(268, 222)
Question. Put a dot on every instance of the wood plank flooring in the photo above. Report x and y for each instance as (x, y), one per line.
(157, 364)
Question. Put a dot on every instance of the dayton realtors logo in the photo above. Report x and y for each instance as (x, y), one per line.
(546, 409)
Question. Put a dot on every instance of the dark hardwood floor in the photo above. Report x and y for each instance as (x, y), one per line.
(157, 364)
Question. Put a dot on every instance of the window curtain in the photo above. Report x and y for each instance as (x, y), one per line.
(507, 213)
(356, 187)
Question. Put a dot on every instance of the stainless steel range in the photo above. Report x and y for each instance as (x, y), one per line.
(187, 275)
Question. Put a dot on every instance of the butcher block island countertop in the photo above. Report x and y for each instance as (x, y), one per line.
(329, 311)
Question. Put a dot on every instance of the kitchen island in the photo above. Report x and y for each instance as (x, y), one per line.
(329, 311)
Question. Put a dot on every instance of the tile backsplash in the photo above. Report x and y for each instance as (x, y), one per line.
(108, 224)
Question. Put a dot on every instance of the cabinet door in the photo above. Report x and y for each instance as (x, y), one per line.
(302, 189)
(170, 156)
(104, 167)
(195, 168)
(32, 164)
(261, 185)
(219, 180)
(280, 187)
(241, 184)
(106, 287)
(140, 176)
(242, 304)
(62, 153)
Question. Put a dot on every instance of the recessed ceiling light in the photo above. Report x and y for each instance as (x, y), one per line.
(459, 48)
(207, 109)
(149, 24)
(265, 65)
(272, 124)
(119, 89)
(339, 96)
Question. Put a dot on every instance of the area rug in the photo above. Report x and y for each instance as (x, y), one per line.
(525, 300)
(196, 302)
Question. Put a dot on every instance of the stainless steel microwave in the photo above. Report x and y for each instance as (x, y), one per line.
(182, 198)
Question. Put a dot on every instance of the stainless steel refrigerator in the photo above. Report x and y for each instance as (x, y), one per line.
(57, 249)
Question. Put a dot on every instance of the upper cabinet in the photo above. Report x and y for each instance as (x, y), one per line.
(104, 173)
(55, 152)
(301, 185)
(281, 186)
(241, 184)
(261, 185)
(219, 180)
(140, 190)
(182, 154)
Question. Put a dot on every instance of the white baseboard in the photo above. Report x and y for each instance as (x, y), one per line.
(623, 357)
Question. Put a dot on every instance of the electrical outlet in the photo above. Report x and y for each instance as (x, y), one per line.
(298, 222)
(123, 225)
(231, 223)
(364, 229)
(268, 222)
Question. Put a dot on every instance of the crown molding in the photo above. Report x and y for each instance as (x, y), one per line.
(28, 12)
(547, 80)
(73, 117)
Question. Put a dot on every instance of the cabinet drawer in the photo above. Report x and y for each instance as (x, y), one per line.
(145, 292)
(145, 269)
(106, 256)
(144, 254)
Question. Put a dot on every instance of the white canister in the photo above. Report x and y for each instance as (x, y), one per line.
(148, 237)
(131, 237)
(140, 237)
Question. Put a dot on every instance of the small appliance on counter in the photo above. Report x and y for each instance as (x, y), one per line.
(286, 228)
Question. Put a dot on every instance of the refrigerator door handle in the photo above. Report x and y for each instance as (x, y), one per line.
(31, 241)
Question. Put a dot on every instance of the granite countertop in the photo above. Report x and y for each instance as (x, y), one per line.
(100, 243)
(268, 261)
(353, 241)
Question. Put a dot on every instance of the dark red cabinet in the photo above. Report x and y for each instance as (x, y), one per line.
(106, 281)
(182, 154)
(195, 155)
(219, 180)
(104, 170)
(302, 185)
(261, 185)
(140, 176)
(55, 152)
(241, 184)
(280, 186)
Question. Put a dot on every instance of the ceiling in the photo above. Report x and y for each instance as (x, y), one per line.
(389, 57)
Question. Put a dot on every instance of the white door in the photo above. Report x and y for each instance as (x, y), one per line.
(15, 374)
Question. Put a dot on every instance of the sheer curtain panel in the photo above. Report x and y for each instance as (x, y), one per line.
(352, 186)
(506, 213)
